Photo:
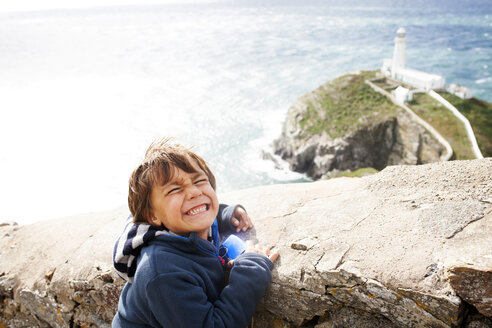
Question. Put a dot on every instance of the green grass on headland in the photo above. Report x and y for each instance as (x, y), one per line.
(444, 121)
(479, 113)
(354, 174)
(345, 105)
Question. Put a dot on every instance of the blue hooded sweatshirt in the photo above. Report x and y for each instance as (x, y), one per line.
(175, 281)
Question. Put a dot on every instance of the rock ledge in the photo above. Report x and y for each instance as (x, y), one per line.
(407, 247)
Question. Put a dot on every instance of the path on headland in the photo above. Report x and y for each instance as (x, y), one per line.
(449, 150)
(437, 135)
(462, 118)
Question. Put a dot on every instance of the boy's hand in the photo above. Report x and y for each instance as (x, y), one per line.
(252, 248)
(240, 219)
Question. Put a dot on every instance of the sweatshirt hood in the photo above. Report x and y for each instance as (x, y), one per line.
(129, 245)
(135, 236)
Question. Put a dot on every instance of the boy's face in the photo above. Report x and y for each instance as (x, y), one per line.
(187, 203)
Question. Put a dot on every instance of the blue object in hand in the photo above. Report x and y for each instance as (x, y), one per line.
(232, 247)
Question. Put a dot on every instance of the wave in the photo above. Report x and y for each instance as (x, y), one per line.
(484, 80)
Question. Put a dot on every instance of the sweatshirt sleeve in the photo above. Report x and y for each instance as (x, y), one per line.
(224, 217)
(179, 300)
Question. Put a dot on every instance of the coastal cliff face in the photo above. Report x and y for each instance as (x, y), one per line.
(345, 125)
(406, 247)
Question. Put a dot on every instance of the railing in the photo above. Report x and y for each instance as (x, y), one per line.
(462, 118)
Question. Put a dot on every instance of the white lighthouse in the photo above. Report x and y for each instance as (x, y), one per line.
(395, 68)
(399, 51)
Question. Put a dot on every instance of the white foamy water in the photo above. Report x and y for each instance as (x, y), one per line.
(84, 92)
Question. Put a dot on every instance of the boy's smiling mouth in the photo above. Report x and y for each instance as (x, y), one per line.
(198, 209)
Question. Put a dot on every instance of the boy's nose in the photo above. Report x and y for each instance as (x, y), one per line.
(193, 191)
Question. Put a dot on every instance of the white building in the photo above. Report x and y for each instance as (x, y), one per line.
(395, 68)
(460, 91)
(402, 95)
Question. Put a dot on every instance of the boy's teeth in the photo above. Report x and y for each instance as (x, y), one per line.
(197, 210)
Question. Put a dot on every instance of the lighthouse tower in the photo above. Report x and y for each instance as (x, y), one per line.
(395, 67)
(399, 52)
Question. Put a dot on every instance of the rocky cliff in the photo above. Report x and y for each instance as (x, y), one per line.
(407, 247)
(345, 125)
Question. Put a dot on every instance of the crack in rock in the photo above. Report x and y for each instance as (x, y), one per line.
(361, 220)
(303, 204)
(475, 218)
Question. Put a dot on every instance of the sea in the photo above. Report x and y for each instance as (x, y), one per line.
(83, 92)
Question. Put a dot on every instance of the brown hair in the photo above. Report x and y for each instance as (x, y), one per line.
(161, 160)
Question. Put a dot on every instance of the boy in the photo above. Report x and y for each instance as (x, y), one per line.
(169, 254)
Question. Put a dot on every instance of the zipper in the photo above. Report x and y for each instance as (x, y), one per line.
(215, 242)
(221, 260)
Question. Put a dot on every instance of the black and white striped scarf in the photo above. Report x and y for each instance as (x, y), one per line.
(135, 236)
(129, 244)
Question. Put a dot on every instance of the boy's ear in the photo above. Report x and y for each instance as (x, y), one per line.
(152, 219)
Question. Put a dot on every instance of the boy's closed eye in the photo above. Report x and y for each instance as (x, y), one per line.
(173, 190)
(176, 187)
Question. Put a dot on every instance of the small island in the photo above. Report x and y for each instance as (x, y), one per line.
(363, 121)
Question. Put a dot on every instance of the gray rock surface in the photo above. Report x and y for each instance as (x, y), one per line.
(387, 250)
